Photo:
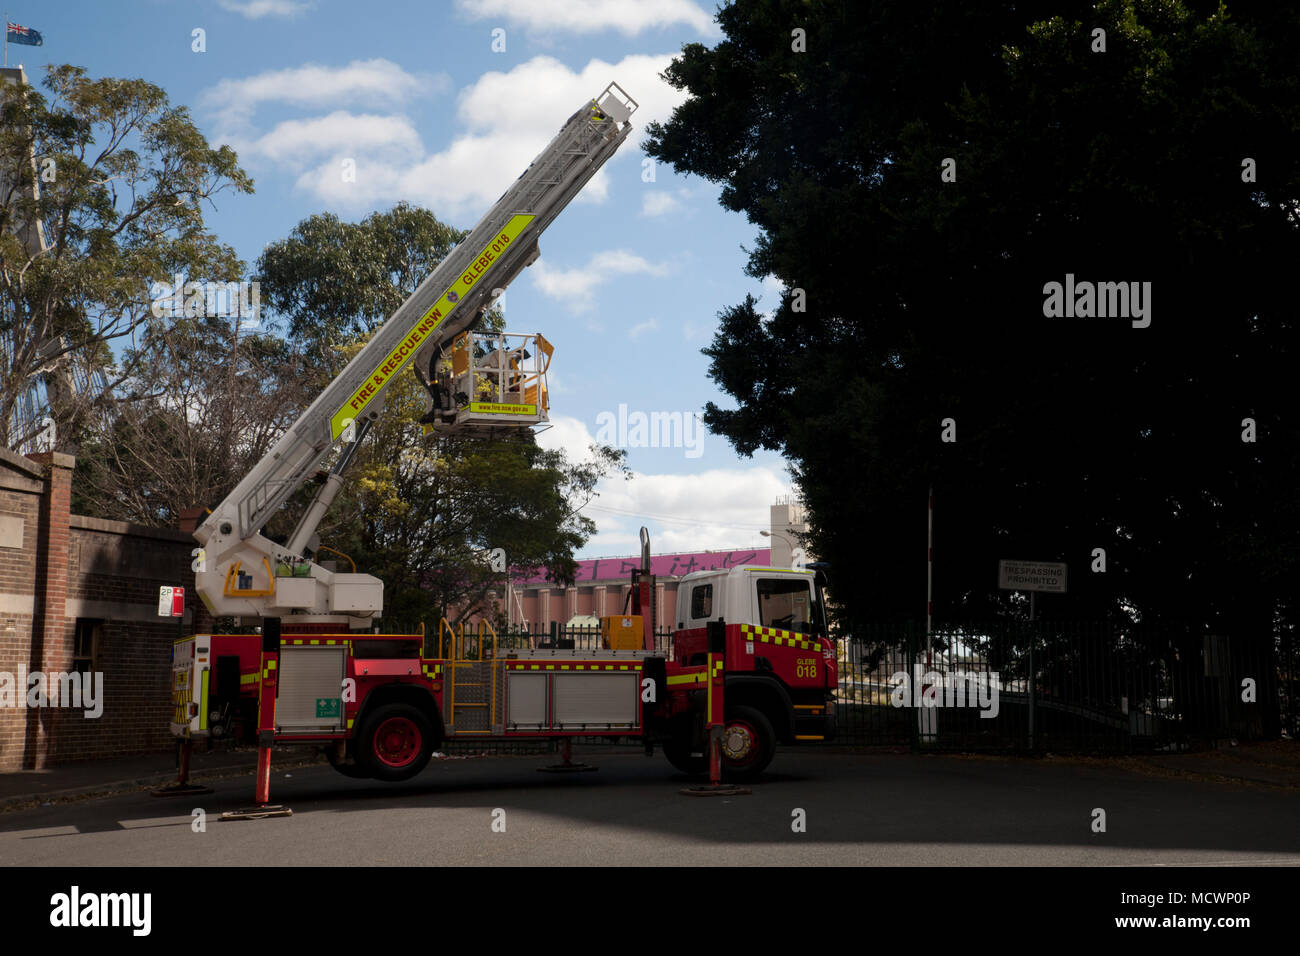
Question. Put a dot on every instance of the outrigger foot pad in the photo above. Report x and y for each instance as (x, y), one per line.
(721, 790)
(258, 813)
(181, 790)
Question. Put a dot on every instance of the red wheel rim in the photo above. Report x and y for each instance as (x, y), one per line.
(397, 741)
(740, 743)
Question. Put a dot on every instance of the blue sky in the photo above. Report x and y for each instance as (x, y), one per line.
(632, 274)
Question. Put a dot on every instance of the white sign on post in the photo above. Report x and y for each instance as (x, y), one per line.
(1031, 576)
(171, 602)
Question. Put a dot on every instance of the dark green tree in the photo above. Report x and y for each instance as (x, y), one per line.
(330, 281)
(911, 299)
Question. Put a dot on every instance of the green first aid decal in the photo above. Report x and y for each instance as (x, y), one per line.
(327, 706)
(436, 315)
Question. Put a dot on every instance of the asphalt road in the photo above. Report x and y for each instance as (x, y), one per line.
(858, 810)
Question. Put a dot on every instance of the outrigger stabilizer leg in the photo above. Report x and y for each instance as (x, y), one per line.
(567, 765)
(182, 787)
(715, 682)
(264, 807)
(267, 688)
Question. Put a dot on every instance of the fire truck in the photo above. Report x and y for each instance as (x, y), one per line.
(751, 663)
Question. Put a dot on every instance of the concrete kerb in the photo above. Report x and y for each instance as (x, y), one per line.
(149, 782)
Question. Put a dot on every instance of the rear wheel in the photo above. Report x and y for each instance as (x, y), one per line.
(395, 742)
(349, 768)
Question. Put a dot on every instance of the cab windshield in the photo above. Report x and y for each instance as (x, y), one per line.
(785, 603)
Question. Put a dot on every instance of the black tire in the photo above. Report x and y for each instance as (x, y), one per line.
(395, 743)
(679, 755)
(349, 768)
(748, 743)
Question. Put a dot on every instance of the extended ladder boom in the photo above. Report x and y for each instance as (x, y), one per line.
(450, 300)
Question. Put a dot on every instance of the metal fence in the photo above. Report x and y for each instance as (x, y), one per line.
(1043, 687)
(1056, 687)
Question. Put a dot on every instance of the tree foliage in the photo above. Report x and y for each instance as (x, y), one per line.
(102, 186)
(924, 298)
(201, 407)
(330, 281)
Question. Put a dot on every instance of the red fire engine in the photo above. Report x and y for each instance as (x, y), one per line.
(751, 663)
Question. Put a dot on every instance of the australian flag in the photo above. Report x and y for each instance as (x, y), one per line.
(16, 34)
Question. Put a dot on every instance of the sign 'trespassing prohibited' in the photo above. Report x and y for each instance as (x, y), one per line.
(1031, 576)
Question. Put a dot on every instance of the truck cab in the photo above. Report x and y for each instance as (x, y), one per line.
(780, 663)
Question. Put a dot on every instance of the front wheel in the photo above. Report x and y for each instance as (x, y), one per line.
(395, 742)
(680, 756)
(748, 746)
(748, 743)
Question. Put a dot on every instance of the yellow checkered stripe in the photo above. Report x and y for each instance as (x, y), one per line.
(308, 642)
(699, 678)
(772, 635)
(182, 696)
(432, 671)
(267, 668)
(573, 667)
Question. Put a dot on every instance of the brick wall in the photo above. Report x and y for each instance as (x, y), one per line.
(22, 489)
(114, 572)
(57, 568)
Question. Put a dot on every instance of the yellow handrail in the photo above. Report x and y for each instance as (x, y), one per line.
(228, 591)
(492, 666)
(547, 350)
(341, 555)
(443, 625)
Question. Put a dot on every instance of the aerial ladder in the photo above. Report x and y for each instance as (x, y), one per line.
(478, 384)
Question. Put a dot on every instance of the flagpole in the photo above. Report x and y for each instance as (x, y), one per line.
(6, 39)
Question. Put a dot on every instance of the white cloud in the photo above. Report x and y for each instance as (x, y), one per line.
(719, 508)
(769, 296)
(505, 119)
(649, 325)
(510, 117)
(569, 435)
(295, 141)
(576, 287)
(596, 191)
(691, 331)
(256, 9)
(628, 17)
(313, 86)
(658, 203)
